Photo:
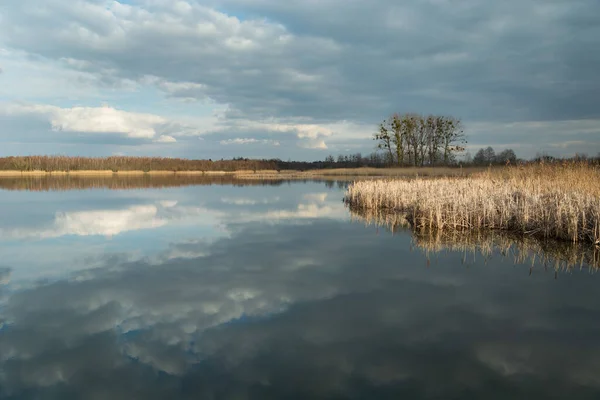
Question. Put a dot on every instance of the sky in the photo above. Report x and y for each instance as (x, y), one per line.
(293, 79)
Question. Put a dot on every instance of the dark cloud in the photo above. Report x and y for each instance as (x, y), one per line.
(325, 62)
(331, 60)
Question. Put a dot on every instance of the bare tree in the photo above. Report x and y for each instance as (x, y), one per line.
(479, 158)
(453, 137)
(384, 139)
(432, 127)
(399, 137)
(507, 156)
(414, 139)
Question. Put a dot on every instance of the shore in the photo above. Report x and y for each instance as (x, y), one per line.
(266, 174)
(14, 173)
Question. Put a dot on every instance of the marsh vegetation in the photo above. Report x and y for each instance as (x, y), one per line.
(559, 201)
(125, 163)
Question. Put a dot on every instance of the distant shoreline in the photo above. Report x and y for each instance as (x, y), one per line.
(16, 173)
(260, 174)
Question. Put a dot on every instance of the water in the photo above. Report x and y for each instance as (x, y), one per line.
(273, 291)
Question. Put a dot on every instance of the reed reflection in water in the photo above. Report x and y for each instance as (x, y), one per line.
(559, 255)
(116, 182)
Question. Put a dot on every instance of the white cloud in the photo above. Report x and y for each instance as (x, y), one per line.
(166, 139)
(310, 136)
(106, 120)
(312, 131)
(318, 144)
(241, 141)
(93, 119)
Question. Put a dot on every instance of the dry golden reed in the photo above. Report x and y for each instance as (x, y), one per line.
(127, 163)
(559, 201)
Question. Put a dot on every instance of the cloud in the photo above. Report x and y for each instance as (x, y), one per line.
(308, 69)
(93, 120)
(531, 137)
(105, 120)
(241, 141)
(166, 139)
(313, 144)
(89, 124)
(4, 275)
(298, 61)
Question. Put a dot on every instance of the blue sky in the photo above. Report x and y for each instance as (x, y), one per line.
(300, 80)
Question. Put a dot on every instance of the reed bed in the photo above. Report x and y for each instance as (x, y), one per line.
(126, 163)
(558, 201)
(403, 171)
(559, 255)
(362, 173)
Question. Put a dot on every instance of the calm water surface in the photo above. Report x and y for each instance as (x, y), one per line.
(272, 292)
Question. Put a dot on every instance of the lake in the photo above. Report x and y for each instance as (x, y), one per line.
(220, 289)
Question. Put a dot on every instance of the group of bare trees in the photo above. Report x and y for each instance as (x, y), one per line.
(415, 139)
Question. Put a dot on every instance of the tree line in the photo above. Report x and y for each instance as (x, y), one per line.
(418, 140)
(377, 159)
(126, 163)
(488, 156)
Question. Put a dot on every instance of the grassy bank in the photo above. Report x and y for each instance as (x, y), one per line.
(39, 165)
(559, 201)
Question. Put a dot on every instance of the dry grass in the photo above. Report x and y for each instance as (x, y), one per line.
(559, 255)
(125, 163)
(408, 171)
(365, 172)
(559, 201)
